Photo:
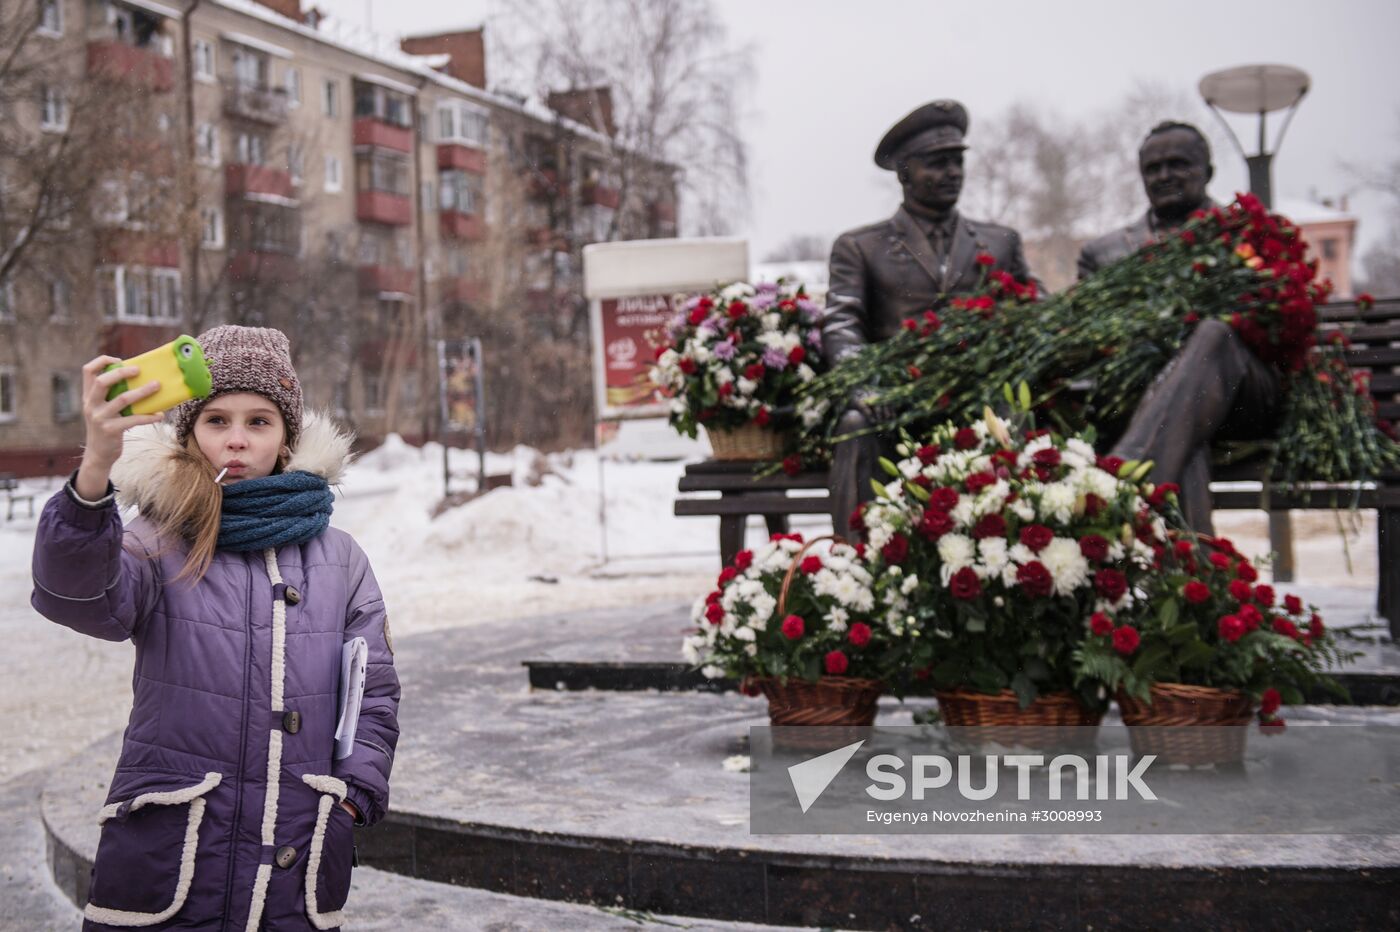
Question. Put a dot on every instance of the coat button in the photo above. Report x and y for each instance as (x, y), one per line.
(286, 856)
(293, 596)
(291, 722)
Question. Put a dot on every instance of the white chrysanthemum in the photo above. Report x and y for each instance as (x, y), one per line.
(789, 545)
(1008, 575)
(1098, 482)
(771, 339)
(678, 406)
(751, 649)
(746, 386)
(724, 376)
(910, 468)
(964, 512)
(736, 291)
(956, 551)
(824, 582)
(690, 649)
(1142, 555)
(1057, 502)
(837, 618)
(847, 590)
(697, 611)
(763, 607)
(992, 498)
(806, 373)
(744, 634)
(864, 601)
(1066, 563)
(701, 353)
(1080, 448)
(1043, 442)
(1020, 553)
(879, 535)
(1116, 551)
(991, 552)
(712, 672)
(772, 320)
(910, 583)
(1023, 510)
(837, 562)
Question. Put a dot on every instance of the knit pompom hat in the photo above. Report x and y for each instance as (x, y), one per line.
(246, 359)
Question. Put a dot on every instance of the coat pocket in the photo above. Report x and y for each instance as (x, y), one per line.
(145, 859)
(329, 863)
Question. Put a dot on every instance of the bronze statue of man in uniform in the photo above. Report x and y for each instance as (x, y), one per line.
(1214, 387)
(894, 270)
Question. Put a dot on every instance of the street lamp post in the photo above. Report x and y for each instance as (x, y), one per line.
(1261, 90)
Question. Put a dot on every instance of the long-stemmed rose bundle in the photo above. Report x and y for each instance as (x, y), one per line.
(1114, 332)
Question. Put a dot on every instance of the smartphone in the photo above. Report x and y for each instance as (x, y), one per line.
(180, 368)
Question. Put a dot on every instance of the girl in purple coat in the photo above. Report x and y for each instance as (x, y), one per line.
(229, 809)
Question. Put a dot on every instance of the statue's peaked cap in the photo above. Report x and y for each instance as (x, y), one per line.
(937, 125)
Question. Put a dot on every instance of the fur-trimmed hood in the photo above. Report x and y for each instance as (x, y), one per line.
(142, 474)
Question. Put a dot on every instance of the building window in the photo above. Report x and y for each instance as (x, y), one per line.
(332, 173)
(250, 68)
(462, 123)
(292, 82)
(251, 149)
(428, 200)
(51, 18)
(133, 293)
(8, 403)
(7, 302)
(65, 397)
(203, 51)
(330, 98)
(382, 104)
(379, 170)
(53, 109)
(457, 263)
(206, 141)
(211, 228)
(296, 164)
(456, 193)
(59, 304)
(374, 392)
(1329, 248)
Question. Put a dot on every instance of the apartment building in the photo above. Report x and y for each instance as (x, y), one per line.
(242, 162)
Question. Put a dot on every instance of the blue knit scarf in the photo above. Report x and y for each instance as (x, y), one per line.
(286, 508)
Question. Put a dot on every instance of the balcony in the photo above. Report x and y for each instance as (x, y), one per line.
(128, 64)
(127, 340)
(369, 131)
(383, 207)
(544, 237)
(463, 290)
(255, 102)
(603, 196)
(454, 224)
(453, 157)
(270, 267)
(241, 179)
(544, 184)
(387, 279)
(137, 247)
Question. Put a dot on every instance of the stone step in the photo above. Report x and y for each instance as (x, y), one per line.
(380, 901)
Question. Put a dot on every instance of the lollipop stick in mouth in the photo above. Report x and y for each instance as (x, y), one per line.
(219, 478)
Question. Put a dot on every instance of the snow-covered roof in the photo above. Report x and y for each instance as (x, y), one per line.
(374, 48)
(1303, 210)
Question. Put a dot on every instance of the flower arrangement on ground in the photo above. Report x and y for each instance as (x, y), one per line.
(1001, 551)
(1213, 624)
(738, 355)
(746, 627)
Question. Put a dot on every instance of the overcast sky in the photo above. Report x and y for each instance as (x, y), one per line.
(833, 75)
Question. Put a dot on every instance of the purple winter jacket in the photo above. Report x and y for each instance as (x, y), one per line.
(223, 813)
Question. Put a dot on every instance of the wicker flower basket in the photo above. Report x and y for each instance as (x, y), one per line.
(831, 700)
(1006, 723)
(749, 442)
(1176, 704)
